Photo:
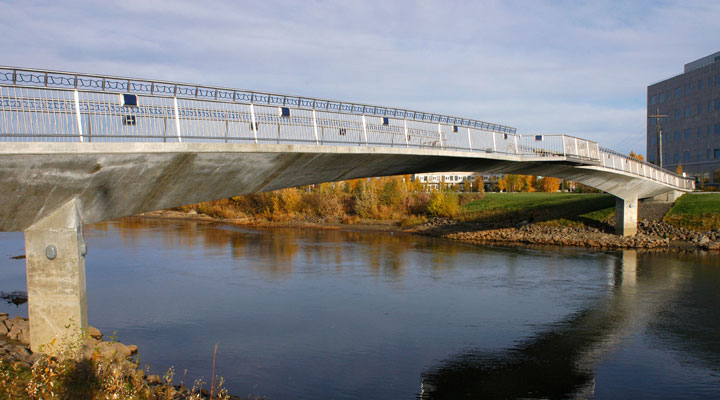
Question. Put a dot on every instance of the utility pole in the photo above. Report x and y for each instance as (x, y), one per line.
(657, 117)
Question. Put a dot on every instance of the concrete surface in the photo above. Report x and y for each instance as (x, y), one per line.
(626, 216)
(57, 301)
(111, 180)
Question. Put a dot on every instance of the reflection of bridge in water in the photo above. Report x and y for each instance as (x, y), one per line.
(558, 362)
(82, 148)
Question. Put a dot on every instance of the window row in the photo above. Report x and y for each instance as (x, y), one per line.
(712, 105)
(687, 156)
(678, 91)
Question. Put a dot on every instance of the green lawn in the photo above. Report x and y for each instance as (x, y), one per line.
(581, 207)
(696, 211)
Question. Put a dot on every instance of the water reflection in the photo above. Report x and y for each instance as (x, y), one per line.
(274, 255)
(559, 361)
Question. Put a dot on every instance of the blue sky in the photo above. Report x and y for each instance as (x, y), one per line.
(574, 67)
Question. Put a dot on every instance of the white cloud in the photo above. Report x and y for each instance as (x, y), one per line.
(542, 66)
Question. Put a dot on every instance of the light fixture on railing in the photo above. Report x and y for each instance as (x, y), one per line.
(128, 100)
(129, 120)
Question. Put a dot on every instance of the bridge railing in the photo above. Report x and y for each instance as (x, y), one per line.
(51, 106)
(622, 162)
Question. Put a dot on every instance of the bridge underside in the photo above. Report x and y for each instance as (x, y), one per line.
(111, 180)
(51, 189)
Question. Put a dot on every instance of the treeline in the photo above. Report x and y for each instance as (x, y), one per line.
(385, 198)
(529, 183)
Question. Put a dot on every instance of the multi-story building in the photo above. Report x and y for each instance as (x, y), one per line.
(435, 179)
(691, 130)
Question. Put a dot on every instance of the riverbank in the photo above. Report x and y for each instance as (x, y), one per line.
(87, 368)
(653, 232)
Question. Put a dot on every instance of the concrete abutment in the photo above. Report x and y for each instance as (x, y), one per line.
(57, 299)
(626, 216)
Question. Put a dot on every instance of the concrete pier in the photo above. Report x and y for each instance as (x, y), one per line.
(57, 300)
(626, 216)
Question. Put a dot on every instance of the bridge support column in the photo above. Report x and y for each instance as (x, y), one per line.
(626, 216)
(57, 300)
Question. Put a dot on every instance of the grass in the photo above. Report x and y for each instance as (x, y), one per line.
(695, 211)
(566, 208)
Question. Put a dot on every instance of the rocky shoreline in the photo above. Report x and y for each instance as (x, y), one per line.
(15, 353)
(652, 234)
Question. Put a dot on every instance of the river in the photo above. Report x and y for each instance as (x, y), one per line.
(333, 314)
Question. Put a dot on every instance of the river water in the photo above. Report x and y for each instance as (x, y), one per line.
(328, 314)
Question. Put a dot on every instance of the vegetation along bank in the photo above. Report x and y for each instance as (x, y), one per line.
(536, 213)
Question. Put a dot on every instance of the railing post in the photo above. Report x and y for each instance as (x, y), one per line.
(77, 114)
(516, 144)
(494, 141)
(563, 145)
(317, 140)
(577, 154)
(365, 129)
(470, 140)
(177, 120)
(587, 148)
(254, 123)
(440, 134)
(407, 138)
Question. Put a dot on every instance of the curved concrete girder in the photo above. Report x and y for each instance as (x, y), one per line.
(112, 180)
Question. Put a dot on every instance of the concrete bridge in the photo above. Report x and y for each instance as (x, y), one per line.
(82, 148)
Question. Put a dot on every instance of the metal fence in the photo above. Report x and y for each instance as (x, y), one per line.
(51, 106)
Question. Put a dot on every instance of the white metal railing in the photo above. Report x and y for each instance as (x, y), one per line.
(51, 106)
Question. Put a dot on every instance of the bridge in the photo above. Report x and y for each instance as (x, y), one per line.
(83, 148)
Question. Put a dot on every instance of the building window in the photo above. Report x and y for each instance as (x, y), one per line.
(652, 99)
(677, 92)
(677, 136)
(700, 82)
(699, 108)
(652, 140)
(709, 154)
(678, 114)
(687, 135)
(686, 156)
(709, 128)
(661, 97)
(717, 129)
(688, 112)
(716, 155)
(717, 104)
(699, 156)
(699, 132)
(676, 157)
(688, 88)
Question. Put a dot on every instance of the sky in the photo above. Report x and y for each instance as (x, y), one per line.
(574, 67)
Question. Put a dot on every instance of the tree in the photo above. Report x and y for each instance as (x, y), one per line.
(513, 183)
(479, 183)
(679, 169)
(638, 157)
(502, 184)
(549, 184)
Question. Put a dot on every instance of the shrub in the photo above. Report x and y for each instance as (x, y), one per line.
(412, 220)
(443, 204)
